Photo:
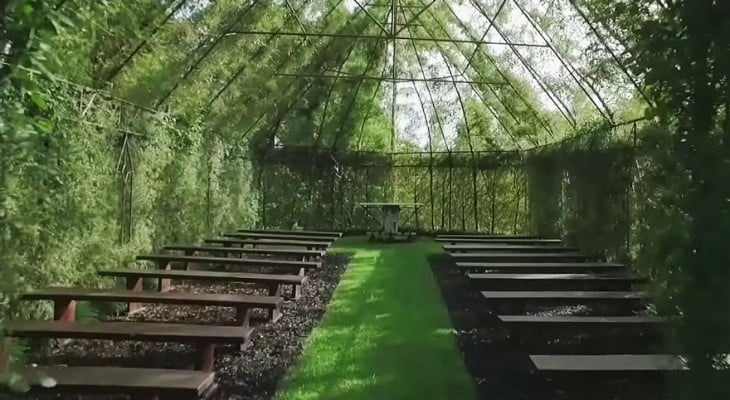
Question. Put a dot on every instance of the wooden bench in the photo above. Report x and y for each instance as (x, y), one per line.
(262, 236)
(613, 365)
(163, 261)
(538, 267)
(524, 328)
(140, 383)
(485, 236)
(534, 242)
(273, 282)
(64, 305)
(525, 257)
(327, 234)
(232, 242)
(300, 254)
(507, 248)
(516, 281)
(518, 300)
(203, 337)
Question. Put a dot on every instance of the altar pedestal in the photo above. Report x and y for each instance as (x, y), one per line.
(389, 222)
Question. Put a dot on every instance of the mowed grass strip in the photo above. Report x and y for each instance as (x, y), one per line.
(386, 333)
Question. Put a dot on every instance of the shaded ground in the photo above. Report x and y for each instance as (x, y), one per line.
(386, 334)
(502, 370)
(252, 374)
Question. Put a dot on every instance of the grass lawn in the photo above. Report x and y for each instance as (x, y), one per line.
(386, 333)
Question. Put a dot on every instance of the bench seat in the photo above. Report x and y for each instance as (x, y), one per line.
(525, 241)
(526, 329)
(272, 281)
(267, 236)
(140, 383)
(65, 309)
(550, 281)
(524, 257)
(540, 267)
(203, 337)
(287, 266)
(232, 242)
(519, 299)
(328, 234)
(507, 248)
(576, 320)
(191, 250)
(485, 236)
(607, 364)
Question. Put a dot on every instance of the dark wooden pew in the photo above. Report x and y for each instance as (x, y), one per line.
(615, 303)
(540, 267)
(534, 242)
(517, 281)
(525, 257)
(218, 251)
(205, 338)
(262, 236)
(139, 383)
(327, 234)
(64, 301)
(269, 243)
(507, 248)
(273, 282)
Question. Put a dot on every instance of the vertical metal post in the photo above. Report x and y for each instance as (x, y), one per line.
(430, 191)
(474, 193)
(393, 31)
(262, 186)
(451, 193)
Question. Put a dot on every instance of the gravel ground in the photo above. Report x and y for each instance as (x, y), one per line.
(502, 370)
(252, 374)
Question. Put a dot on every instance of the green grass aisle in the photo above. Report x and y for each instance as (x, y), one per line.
(386, 334)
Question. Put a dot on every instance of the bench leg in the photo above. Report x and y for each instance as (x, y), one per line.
(274, 289)
(64, 310)
(134, 283)
(302, 271)
(243, 316)
(163, 285)
(296, 291)
(206, 357)
(276, 314)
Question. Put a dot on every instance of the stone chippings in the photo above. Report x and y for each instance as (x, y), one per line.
(252, 374)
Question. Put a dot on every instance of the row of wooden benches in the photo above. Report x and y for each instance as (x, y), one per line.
(514, 273)
(305, 247)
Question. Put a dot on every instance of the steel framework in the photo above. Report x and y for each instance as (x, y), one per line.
(402, 24)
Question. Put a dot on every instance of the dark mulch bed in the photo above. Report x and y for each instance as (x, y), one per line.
(501, 368)
(249, 375)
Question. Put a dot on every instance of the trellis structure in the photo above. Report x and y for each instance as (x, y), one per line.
(411, 38)
(414, 43)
